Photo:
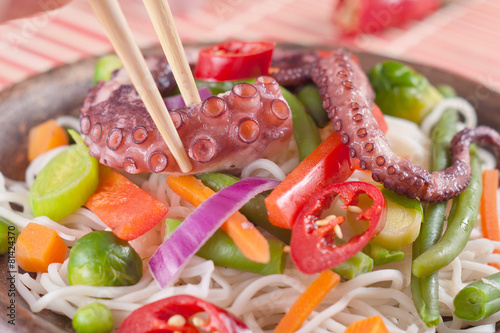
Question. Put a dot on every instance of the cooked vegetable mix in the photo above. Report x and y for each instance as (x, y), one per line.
(220, 248)
(224, 236)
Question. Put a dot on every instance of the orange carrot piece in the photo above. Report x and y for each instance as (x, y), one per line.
(44, 137)
(373, 324)
(123, 206)
(252, 244)
(37, 247)
(488, 207)
(307, 302)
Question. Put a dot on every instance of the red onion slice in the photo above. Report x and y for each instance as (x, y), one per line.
(171, 257)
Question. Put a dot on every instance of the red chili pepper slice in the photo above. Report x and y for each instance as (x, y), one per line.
(329, 163)
(153, 317)
(234, 60)
(313, 246)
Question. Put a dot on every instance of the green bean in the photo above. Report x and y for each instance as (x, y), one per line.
(425, 290)
(381, 255)
(93, 318)
(218, 87)
(221, 249)
(479, 299)
(8, 235)
(310, 97)
(358, 264)
(305, 132)
(255, 210)
(461, 221)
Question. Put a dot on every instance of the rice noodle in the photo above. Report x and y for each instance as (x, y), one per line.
(259, 300)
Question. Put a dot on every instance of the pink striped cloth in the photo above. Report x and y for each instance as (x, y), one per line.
(462, 37)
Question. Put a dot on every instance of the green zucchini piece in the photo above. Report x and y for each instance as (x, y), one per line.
(66, 182)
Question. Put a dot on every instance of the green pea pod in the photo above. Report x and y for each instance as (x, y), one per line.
(402, 92)
(382, 255)
(358, 264)
(8, 235)
(105, 66)
(425, 290)
(479, 299)
(311, 99)
(255, 210)
(461, 220)
(305, 132)
(221, 249)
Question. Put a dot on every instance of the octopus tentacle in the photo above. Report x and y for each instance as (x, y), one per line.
(292, 68)
(348, 98)
(224, 132)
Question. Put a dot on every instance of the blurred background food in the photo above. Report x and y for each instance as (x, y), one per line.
(460, 36)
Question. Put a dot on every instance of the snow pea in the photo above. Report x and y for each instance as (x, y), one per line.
(221, 249)
(254, 210)
(358, 264)
(382, 255)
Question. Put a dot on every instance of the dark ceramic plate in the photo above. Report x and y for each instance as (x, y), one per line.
(62, 90)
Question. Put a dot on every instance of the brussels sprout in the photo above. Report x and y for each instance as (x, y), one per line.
(100, 258)
(93, 318)
(402, 92)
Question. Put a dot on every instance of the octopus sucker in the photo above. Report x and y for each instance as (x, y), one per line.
(348, 99)
(224, 132)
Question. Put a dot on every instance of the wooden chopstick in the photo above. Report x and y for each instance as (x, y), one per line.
(163, 22)
(112, 19)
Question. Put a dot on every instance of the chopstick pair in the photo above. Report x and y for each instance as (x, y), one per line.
(113, 20)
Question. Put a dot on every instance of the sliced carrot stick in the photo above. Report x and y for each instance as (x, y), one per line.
(44, 137)
(488, 207)
(252, 244)
(373, 324)
(37, 247)
(307, 302)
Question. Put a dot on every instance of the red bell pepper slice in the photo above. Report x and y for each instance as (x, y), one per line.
(234, 60)
(371, 16)
(329, 163)
(313, 246)
(154, 317)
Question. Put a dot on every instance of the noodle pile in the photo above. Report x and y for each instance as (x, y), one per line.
(259, 300)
